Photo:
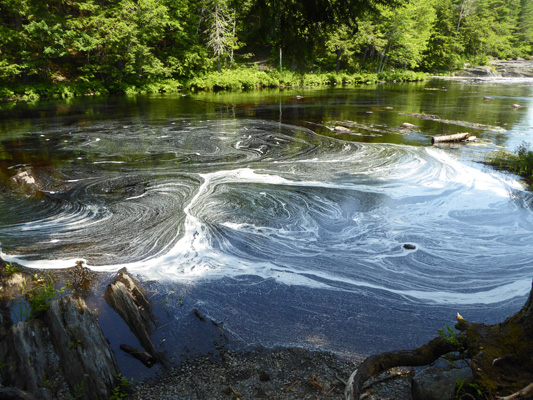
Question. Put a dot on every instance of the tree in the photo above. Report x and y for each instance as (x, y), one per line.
(407, 30)
(299, 26)
(219, 30)
(443, 48)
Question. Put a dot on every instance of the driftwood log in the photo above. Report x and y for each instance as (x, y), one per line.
(501, 356)
(141, 355)
(128, 299)
(458, 137)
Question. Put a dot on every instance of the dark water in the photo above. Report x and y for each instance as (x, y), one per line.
(251, 208)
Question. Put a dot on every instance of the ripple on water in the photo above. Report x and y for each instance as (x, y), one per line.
(237, 197)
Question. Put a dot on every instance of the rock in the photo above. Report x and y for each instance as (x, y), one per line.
(128, 299)
(26, 182)
(487, 98)
(481, 72)
(87, 361)
(11, 393)
(436, 383)
(341, 129)
(407, 125)
(514, 68)
(516, 106)
(10, 285)
(409, 246)
(24, 352)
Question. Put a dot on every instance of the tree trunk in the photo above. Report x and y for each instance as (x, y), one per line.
(338, 63)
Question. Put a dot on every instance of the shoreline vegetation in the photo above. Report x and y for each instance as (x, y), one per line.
(245, 78)
(519, 162)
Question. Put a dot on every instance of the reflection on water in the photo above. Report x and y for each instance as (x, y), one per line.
(256, 193)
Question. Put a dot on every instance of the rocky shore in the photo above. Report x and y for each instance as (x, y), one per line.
(499, 69)
(53, 346)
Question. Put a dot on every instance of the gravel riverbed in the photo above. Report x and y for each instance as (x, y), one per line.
(290, 373)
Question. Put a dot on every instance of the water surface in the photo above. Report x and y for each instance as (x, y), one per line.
(253, 209)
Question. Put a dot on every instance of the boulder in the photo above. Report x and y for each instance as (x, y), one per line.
(407, 125)
(436, 383)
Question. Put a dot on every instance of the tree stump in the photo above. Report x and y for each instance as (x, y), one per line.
(501, 356)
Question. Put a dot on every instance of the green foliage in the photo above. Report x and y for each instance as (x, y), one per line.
(468, 390)
(249, 78)
(11, 268)
(520, 162)
(65, 49)
(40, 297)
(450, 336)
(79, 390)
(120, 391)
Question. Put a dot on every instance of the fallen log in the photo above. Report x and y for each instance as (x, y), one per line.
(450, 138)
(141, 355)
(128, 299)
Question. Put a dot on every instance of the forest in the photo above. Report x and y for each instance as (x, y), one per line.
(96, 46)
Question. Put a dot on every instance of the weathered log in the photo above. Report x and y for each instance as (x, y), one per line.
(341, 129)
(24, 354)
(376, 364)
(86, 358)
(450, 138)
(141, 355)
(128, 299)
(11, 393)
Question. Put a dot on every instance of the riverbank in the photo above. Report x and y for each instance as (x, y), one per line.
(287, 373)
(49, 319)
(237, 79)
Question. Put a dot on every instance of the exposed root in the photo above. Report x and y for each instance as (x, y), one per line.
(376, 364)
(525, 392)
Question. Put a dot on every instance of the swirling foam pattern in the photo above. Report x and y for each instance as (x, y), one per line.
(225, 198)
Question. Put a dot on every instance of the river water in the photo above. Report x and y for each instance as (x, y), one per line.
(252, 209)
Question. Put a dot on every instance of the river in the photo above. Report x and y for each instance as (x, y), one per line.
(252, 209)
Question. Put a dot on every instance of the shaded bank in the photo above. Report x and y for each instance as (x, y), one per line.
(235, 80)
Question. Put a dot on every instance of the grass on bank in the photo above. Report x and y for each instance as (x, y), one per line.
(519, 162)
(237, 79)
